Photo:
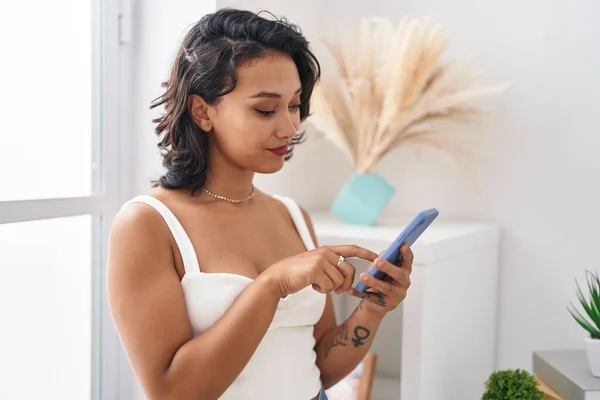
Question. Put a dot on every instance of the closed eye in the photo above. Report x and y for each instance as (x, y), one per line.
(268, 113)
(265, 112)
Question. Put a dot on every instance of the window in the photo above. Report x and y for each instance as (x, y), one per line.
(47, 101)
(63, 162)
(46, 306)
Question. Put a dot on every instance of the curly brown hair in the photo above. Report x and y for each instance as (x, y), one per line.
(205, 64)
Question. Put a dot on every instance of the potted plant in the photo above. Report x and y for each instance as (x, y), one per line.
(383, 86)
(512, 384)
(590, 322)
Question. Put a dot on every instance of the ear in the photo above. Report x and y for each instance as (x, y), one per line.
(198, 110)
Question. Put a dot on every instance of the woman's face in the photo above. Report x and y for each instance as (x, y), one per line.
(253, 125)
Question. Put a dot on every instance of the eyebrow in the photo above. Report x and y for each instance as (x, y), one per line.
(271, 95)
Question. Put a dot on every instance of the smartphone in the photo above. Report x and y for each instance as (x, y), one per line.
(409, 236)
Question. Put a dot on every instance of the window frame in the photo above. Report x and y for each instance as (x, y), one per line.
(111, 145)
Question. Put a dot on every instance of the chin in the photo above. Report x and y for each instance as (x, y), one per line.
(269, 167)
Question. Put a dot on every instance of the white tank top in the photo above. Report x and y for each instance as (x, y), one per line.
(283, 366)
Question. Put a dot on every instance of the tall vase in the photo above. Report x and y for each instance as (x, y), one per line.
(362, 199)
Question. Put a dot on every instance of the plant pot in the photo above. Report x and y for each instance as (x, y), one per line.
(593, 354)
(362, 199)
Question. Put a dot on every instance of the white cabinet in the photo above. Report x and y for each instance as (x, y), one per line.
(440, 343)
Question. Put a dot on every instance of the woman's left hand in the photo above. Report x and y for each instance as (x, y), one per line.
(385, 295)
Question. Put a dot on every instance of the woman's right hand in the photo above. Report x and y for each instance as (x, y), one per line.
(319, 268)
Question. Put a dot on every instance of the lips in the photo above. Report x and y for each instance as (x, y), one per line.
(279, 151)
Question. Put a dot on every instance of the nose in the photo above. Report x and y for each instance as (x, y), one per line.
(287, 127)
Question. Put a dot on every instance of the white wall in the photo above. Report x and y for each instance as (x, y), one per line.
(536, 179)
(159, 25)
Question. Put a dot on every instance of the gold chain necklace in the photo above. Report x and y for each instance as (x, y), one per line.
(235, 201)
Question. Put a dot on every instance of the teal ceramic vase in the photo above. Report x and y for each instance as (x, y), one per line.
(362, 199)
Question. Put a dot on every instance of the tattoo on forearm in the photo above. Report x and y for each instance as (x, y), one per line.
(375, 298)
(381, 301)
(340, 338)
(360, 335)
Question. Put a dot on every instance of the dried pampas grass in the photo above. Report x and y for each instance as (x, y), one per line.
(384, 86)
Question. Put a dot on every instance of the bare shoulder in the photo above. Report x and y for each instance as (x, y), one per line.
(138, 244)
(138, 223)
(305, 214)
(135, 216)
(282, 208)
(310, 225)
(272, 202)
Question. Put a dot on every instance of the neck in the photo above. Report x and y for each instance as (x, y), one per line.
(227, 179)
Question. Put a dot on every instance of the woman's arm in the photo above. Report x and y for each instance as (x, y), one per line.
(341, 348)
(148, 307)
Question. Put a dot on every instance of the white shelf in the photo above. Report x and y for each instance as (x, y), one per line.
(440, 344)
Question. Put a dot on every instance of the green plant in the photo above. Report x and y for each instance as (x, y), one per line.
(591, 306)
(512, 384)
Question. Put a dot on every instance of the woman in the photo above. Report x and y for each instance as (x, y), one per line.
(218, 290)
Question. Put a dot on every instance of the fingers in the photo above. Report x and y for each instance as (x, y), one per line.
(348, 272)
(353, 251)
(407, 258)
(323, 282)
(345, 270)
(393, 271)
(335, 275)
(383, 287)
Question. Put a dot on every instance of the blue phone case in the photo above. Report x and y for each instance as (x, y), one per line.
(409, 235)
